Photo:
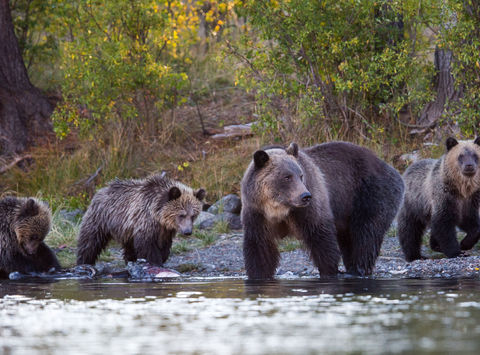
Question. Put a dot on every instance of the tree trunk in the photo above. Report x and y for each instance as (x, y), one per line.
(445, 87)
(24, 111)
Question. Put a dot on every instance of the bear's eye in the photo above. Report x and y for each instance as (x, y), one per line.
(301, 177)
(288, 177)
(182, 215)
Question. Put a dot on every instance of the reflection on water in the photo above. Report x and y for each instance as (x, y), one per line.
(237, 317)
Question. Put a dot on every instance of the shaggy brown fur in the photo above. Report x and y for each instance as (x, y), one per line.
(141, 215)
(335, 197)
(442, 194)
(24, 224)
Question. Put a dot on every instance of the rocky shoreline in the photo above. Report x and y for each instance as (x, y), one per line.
(215, 251)
(224, 258)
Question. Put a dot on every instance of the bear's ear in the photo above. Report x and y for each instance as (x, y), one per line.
(30, 208)
(174, 193)
(200, 194)
(451, 142)
(292, 149)
(260, 158)
(477, 140)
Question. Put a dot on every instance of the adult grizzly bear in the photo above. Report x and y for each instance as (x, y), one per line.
(443, 194)
(24, 224)
(329, 196)
(142, 215)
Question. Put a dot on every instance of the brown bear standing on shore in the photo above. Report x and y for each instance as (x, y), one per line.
(142, 215)
(336, 197)
(443, 194)
(24, 224)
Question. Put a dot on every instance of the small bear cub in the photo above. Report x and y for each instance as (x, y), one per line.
(24, 224)
(141, 215)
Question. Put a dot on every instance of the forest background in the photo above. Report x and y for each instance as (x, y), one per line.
(134, 87)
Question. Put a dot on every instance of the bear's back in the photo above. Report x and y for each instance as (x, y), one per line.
(355, 175)
(347, 164)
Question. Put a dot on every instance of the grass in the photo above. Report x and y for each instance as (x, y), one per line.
(289, 244)
(181, 246)
(187, 267)
(221, 227)
(63, 236)
(205, 237)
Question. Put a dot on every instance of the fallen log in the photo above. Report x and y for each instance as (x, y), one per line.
(235, 131)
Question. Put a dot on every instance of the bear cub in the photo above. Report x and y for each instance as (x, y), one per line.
(24, 224)
(141, 215)
(338, 198)
(442, 194)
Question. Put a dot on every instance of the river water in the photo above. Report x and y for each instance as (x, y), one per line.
(231, 316)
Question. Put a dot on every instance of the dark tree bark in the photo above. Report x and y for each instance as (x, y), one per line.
(445, 87)
(24, 110)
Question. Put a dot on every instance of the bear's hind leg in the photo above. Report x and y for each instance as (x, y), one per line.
(434, 244)
(471, 225)
(91, 242)
(129, 253)
(364, 249)
(410, 232)
(444, 232)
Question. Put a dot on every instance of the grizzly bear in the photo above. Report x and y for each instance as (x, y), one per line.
(141, 215)
(336, 197)
(443, 194)
(24, 224)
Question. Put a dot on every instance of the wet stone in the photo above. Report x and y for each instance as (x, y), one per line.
(142, 270)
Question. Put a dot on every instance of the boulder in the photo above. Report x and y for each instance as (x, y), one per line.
(230, 203)
(204, 220)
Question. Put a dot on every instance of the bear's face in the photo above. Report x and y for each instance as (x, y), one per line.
(280, 181)
(463, 156)
(31, 226)
(182, 208)
(461, 166)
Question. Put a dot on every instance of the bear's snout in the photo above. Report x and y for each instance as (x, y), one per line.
(469, 169)
(186, 231)
(306, 197)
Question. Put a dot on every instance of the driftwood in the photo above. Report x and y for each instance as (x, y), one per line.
(14, 162)
(235, 131)
(88, 184)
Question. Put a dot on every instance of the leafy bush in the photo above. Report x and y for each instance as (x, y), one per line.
(125, 63)
(462, 37)
(333, 65)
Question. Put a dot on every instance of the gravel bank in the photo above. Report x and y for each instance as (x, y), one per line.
(225, 258)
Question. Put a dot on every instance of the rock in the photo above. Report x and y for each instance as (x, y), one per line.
(15, 276)
(72, 216)
(233, 220)
(209, 220)
(141, 269)
(204, 220)
(230, 203)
